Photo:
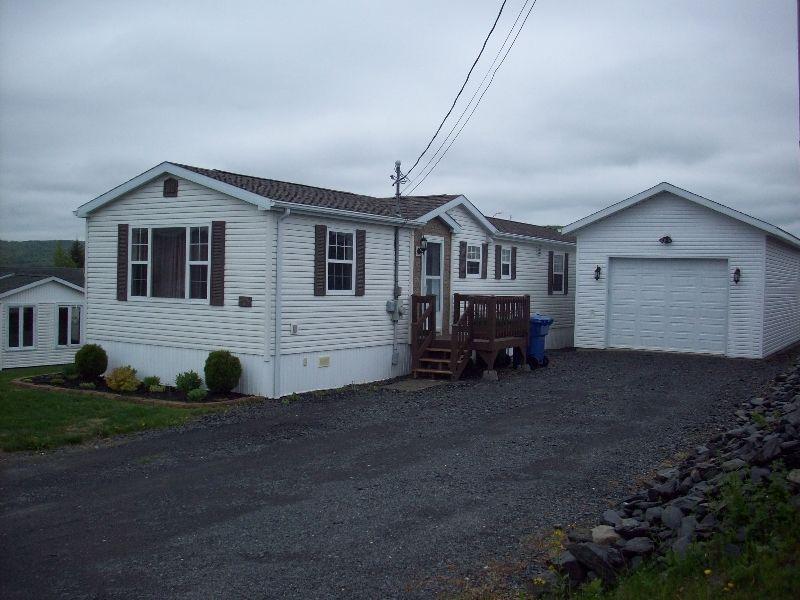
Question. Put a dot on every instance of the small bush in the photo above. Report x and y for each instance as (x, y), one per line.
(123, 379)
(197, 395)
(150, 381)
(56, 380)
(222, 371)
(156, 389)
(87, 385)
(91, 361)
(188, 381)
(70, 372)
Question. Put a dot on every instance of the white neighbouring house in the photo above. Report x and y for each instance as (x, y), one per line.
(670, 270)
(295, 279)
(43, 314)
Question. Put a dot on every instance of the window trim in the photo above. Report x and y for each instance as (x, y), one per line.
(186, 291)
(559, 290)
(82, 324)
(21, 326)
(328, 261)
(479, 260)
(503, 250)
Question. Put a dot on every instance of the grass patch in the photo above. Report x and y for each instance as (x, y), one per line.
(41, 420)
(756, 555)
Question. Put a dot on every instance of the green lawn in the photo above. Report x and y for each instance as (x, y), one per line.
(42, 420)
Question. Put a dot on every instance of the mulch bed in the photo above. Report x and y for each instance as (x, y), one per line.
(169, 397)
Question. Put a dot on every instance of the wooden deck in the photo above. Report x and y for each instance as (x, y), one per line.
(485, 325)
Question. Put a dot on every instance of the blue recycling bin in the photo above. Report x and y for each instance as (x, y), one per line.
(540, 326)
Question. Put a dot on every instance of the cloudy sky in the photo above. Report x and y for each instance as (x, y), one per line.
(596, 102)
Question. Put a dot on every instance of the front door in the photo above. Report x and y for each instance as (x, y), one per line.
(432, 269)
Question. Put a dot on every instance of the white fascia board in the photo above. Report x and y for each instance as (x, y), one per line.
(451, 223)
(349, 215)
(36, 284)
(459, 201)
(168, 168)
(531, 239)
(686, 195)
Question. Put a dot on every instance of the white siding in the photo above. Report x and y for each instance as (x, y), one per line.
(697, 232)
(181, 324)
(532, 266)
(46, 298)
(781, 296)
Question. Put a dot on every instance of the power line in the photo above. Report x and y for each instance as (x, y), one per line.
(478, 102)
(477, 58)
(475, 93)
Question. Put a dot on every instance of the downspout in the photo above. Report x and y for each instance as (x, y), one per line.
(276, 378)
(396, 295)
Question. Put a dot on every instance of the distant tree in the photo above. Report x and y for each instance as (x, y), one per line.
(61, 258)
(76, 253)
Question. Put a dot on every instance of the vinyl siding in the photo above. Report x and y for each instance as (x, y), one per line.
(781, 296)
(45, 298)
(181, 323)
(532, 265)
(697, 232)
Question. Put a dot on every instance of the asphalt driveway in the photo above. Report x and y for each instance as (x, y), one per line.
(368, 493)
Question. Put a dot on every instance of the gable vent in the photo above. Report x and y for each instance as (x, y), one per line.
(170, 187)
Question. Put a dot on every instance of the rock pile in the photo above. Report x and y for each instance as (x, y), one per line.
(675, 509)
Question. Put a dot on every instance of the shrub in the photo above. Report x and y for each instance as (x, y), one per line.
(123, 379)
(70, 372)
(91, 361)
(156, 389)
(150, 381)
(222, 371)
(188, 381)
(56, 380)
(197, 395)
(87, 385)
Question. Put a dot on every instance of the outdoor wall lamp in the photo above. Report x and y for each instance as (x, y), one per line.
(597, 272)
(737, 275)
(423, 246)
(665, 240)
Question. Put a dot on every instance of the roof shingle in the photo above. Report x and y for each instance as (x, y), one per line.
(12, 278)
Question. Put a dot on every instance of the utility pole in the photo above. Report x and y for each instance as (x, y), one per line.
(400, 179)
(396, 311)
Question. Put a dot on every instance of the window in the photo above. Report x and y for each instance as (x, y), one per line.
(473, 261)
(170, 262)
(505, 263)
(558, 272)
(341, 260)
(20, 327)
(69, 325)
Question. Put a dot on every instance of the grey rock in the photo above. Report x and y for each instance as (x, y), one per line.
(604, 535)
(612, 517)
(672, 517)
(794, 476)
(667, 489)
(568, 564)
(665, 474)
(708, 522)
(600, 559)
(579, 535)
(653, 514)
(770, 449)
(686, 503)
(758, 474)
(631, 528)
(490, 375)
(733, 464)
(680, 545)
(638, 546)
(688, 526)
(790, 445)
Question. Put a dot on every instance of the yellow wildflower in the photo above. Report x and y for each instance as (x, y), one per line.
(707, 571)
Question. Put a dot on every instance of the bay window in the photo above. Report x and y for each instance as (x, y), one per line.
(20, 323)
(170, 262)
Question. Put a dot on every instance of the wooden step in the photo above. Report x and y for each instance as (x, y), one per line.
(445, 350)
(435, 360)
(433, 372)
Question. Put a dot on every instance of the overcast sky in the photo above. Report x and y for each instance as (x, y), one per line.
(596, 102)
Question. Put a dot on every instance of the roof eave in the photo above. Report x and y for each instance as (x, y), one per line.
(35, 284)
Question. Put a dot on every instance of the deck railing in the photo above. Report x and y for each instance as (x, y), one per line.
(461, 336)
(423, 326)
(495, 316)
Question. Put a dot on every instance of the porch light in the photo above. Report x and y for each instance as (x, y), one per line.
(597, 271)
(665, 239)
(423, 246)
(737, 275)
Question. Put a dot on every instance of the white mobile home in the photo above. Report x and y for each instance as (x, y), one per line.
(43, 314)
(294, 279)
(670, 270)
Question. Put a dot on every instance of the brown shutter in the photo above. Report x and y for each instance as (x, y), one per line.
(513, 262)
(462, 260)
(498, 251)
(320, 248)
(566, 273)
(361, 243)
(122, 262)
(550, 273)
(217, 263)
(484, 260)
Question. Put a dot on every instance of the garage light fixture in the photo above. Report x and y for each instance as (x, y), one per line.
(737, 275)
(665, 240)
(597, 272)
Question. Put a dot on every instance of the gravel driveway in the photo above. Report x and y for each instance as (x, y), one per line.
(367, 493)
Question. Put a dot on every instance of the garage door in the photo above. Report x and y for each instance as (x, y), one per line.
(668, 304)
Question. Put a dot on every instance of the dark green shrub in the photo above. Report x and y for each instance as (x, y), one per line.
(156, 389)
(70, 372)
(197, 395)
(123, 379)
(188, 381)
(87, 385)
(222, 371)
(56, 380)
(91, 361)
(150, 381)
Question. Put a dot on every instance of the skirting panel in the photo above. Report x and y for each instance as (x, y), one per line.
(560, 337)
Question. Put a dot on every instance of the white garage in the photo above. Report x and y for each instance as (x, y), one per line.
(669, 270)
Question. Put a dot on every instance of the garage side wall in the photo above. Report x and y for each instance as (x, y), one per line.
(781, 297)
(697, 232)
